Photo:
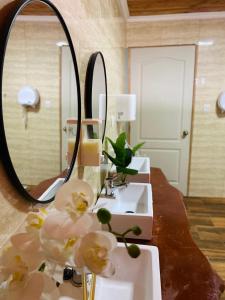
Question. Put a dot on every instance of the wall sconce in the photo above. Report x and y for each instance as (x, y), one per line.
(102, 106)
(221, 102)
(125, 107)
(28, 97)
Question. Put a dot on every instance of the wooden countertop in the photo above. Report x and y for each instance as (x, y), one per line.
(185, 272)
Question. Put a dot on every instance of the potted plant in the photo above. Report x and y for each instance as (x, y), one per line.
(123, 156)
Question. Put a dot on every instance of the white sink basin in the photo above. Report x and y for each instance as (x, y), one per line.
(51, 191)
(132, 206)
(134, 279)
(142, 164)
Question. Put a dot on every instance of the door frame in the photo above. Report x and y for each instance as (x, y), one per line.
(193, 96)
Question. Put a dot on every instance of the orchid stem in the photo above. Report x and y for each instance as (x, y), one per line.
(113, 232)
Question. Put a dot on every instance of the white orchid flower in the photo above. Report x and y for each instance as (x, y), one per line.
(94, 252)
(18, 269)
(18, 260)
(35, 220)
(75, 197)
(60, 234)
(28, 247)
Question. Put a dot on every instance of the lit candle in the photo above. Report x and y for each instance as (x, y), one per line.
(90, 151)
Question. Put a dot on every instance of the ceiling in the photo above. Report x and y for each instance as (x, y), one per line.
(162, 7)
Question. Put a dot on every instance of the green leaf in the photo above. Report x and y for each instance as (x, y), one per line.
(113, 160)
(121, 140)
(95, 135)
(117, 150)
(136, 147)
(126, 171)
(111, 142)
(127, 157)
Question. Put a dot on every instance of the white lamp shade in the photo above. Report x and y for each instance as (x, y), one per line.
(102, 106)
(125, 107)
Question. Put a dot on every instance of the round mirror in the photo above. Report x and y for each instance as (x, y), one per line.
(96, 93)
(40, 95)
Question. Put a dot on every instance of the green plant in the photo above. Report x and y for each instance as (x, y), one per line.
(123, 156)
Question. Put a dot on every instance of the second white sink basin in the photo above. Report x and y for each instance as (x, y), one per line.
(134, 279)
(132, 206)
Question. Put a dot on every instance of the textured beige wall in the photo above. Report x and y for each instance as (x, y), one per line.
(94, 25)
(32, 58)
(207, 168)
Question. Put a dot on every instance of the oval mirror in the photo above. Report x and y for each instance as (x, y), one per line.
(40, 92)
(96, 93)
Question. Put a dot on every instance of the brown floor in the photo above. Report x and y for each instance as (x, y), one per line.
(207, 225)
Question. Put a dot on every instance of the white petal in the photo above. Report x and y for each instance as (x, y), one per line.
(83, 225)
(58, 226)
(31, 290)
(103, 238)
(34, 287)
(25, 242)
(33, 260)
(50, 291)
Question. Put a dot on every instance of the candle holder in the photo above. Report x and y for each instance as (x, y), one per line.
(90, 149)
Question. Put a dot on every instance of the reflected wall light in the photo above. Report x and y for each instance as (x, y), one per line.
(125, 107)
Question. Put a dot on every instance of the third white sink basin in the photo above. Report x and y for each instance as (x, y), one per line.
(142, 164)
(134, 279)
(132, 206)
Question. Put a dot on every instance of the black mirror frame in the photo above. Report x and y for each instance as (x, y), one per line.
(88, 90)
(5, 158)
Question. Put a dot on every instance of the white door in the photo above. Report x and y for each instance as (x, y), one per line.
(68, 99)
(163, 80)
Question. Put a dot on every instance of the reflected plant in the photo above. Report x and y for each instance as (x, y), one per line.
(123, 157)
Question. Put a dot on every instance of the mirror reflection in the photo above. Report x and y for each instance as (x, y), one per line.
(96, 94)
(40, 93)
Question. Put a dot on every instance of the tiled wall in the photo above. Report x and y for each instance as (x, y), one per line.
(94, 25)
(207, 168)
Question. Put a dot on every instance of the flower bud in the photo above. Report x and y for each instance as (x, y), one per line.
(133, 250)
(136, 230)
(104, 216)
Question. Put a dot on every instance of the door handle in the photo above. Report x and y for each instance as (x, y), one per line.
(184, 134)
